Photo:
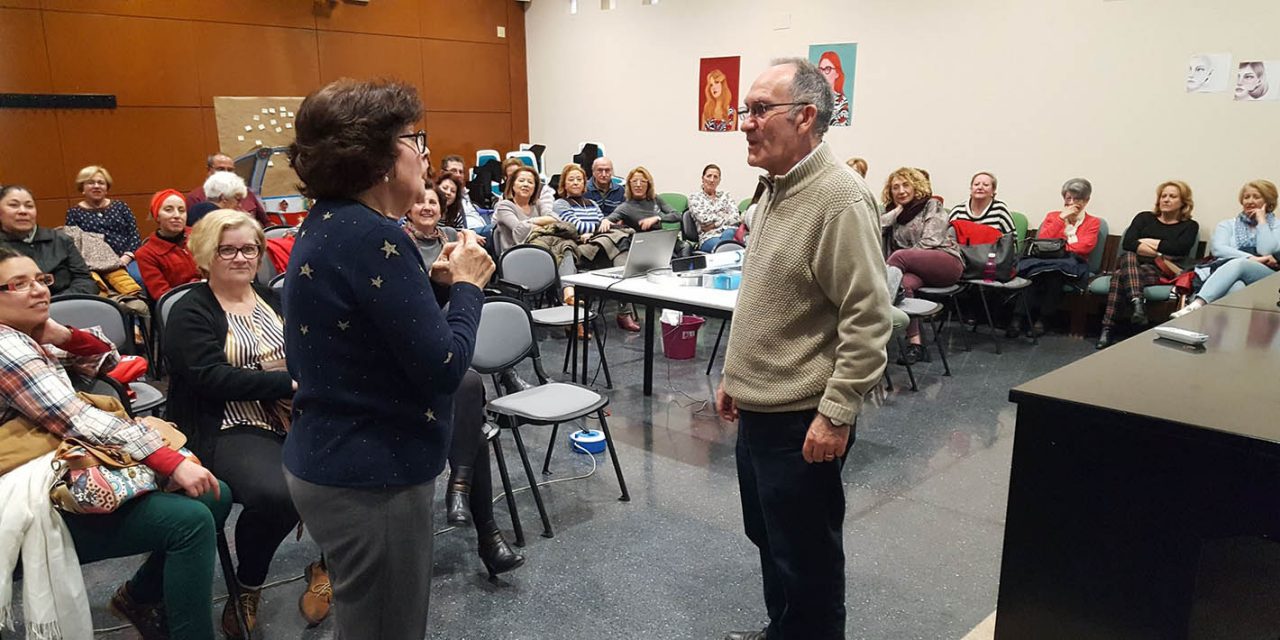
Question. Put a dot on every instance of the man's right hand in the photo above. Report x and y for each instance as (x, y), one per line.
(725, 406)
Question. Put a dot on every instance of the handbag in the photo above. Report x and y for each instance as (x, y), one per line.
(93, 479)
(1047, 248)
(1006, 259)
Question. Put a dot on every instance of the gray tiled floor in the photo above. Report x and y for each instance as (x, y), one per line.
(926, 481)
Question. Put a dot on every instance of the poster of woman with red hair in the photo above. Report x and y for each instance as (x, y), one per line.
(837, 62)
(717, 85)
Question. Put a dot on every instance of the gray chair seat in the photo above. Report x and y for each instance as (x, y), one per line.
(558, 316)
(550, 403)
(939, 291)
(918, 307)
(148, 397)
(1015, 283)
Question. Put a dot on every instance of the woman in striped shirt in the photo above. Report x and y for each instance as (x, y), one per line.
(574, 207)
(982, 206)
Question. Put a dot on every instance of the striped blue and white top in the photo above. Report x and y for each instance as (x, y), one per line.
(582, 213)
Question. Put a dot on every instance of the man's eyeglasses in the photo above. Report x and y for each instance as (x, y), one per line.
(21, 284)
(419, 138)
(228, 252)
(758, 109)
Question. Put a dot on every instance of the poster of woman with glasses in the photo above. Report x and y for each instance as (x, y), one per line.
(837, 62)
(717, 85)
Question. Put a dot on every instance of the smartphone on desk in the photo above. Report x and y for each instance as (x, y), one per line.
(692, 263)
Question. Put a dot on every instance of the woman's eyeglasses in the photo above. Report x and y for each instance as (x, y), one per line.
(419, 138)
(228, 252)
(22, 284)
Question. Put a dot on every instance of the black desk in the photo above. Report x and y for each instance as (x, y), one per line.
(1259, 296)
(1125, 463)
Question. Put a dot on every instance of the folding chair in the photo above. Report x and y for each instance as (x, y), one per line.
(83, 310)
(929, 312)
(163, 306)
(503, 340)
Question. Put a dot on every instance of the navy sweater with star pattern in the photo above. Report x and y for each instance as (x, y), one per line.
(375, 358)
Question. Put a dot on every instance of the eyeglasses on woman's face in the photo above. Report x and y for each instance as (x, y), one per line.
(229, 251)
(22, 284)
(419, 139)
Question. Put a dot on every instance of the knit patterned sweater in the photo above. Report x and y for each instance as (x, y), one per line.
(812, 318)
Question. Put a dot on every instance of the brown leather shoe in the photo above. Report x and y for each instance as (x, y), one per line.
(148, 619)
(318, 598)
(249, 599)
(627, 322)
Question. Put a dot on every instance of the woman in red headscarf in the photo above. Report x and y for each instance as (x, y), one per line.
(829, 65)
(164, 259)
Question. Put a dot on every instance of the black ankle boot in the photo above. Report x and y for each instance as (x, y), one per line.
(1104, 340)
(512, 382)
(457, 498)
(1139, 311)
(496, 555)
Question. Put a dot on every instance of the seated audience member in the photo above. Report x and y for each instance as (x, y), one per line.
(450, 188)
(225, 190)
(1049, 275)
(230, 393)
(859, 165)
(250, 203)
(509, 166)
(982, 206)
(1153, 245)
(573, 207)
(98, 213)
(715, 213)
(601, 188)
(1245, 247)
(424, 225)
(520, 209)
(164, 259)
(926, 252)
(53, 252)
(643, 210)
(169, 594)
(455, 166)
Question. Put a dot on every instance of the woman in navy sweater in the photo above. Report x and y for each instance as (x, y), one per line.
(376, 359)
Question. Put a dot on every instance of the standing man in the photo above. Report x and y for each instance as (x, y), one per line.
(808, 343)
(251, 204)
(601, 189)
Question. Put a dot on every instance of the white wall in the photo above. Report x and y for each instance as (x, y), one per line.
(1036, 91)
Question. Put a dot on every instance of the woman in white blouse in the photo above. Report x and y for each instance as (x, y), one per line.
(714, 211)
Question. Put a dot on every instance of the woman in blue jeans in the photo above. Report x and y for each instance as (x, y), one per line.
(1248, 242)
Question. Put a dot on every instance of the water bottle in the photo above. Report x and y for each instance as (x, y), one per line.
(989, 270)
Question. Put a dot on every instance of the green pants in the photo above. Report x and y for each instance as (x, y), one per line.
(179, 534)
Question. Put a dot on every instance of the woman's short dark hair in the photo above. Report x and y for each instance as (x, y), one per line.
(710, 167)
(7, 188)
(346, 135)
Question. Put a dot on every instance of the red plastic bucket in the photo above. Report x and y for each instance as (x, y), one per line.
(681, 342)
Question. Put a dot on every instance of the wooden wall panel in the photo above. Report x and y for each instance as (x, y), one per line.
(51, 212)
(145, 148)
(256, 61)
(24, 66)
(519, 70)
(362, 57)
(482, 81)
(280, 13)
(32, 155)
(103, 54)
(389, 17)
(471, 20)
(464, 133)
(21, 4)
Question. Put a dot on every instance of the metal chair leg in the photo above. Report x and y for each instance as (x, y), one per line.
(617, 467)
(569, 347)
(982, 294)
(604, 362)
(937, 342)
(911, 376)
(716, 349)
(506, 488)
(533, 481)
(233, 584)
(551, 446)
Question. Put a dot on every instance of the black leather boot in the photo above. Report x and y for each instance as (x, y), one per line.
(512, 382)
(1139, 316)
(497, 555)
(457, 498)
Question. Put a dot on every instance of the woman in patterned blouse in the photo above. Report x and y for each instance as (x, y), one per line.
(101, 214)
(715, 212)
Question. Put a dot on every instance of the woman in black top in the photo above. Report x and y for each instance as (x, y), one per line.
(1153, 245)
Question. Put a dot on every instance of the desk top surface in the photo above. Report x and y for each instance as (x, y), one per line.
(639, 286)
(1260, 296)
(1232, 385)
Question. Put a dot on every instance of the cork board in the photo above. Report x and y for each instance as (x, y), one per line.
(246, 123)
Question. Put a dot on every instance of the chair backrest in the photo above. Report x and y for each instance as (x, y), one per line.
(277, 283)
(726, 246)
(529, 266)
(484, 155)
(165, 305)
(504, 337)
(689, 226)
(537, 150)
(276, 231)
(1020, 227)
(677, 201)
(1095, 256)
(744, 205)
(82, 310)
(266, 269)
(526, 157)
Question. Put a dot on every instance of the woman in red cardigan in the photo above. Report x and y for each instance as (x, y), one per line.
(164, 259)
(1048, 275)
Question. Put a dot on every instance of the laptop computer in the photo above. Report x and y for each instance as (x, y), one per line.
(650, 250)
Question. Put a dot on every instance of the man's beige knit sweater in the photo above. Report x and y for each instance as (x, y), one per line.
(812, 318)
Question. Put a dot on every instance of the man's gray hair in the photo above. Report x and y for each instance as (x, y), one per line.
(1079, 188)
(224, 184)
(808, 86)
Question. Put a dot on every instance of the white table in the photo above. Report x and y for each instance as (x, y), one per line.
(715, 303)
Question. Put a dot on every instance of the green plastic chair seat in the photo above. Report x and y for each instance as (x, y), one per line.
(1155, 293)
